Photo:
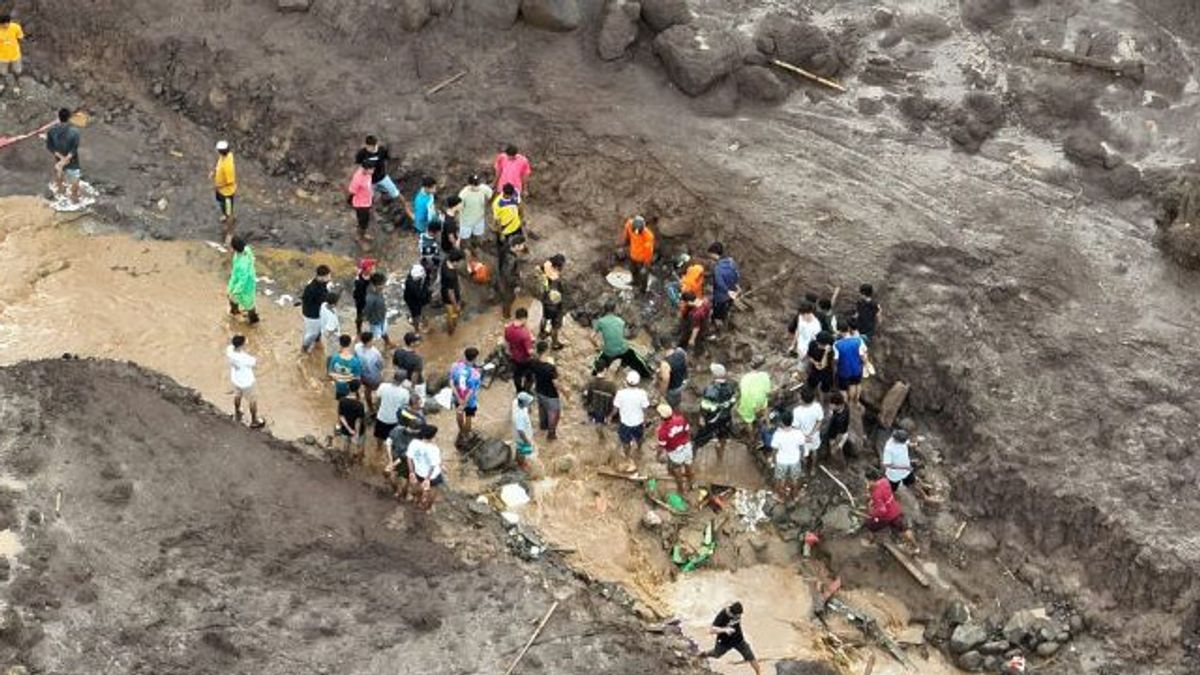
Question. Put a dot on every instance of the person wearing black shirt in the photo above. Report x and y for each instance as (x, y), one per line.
(451, 290)
(416, 294)
(728, 629)
(673, 375)
(351, 416)
(549, 391)
(508, 272)
(820, 364)
(362, 281)
(310, 307)
(837, 434)
(376, 153)
(867, 312)
(450, 229)
(716, 408)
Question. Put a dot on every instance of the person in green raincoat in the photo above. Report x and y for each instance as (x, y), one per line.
(242, 280)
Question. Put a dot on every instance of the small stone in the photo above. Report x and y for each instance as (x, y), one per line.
(651, 520)
(1048, 648)
(972, 661)
(994, 647)
(479, 508)
(316, 178)
(564, 464)
(162, 204)
(310, 440)
(840, 518)
(1076, 624)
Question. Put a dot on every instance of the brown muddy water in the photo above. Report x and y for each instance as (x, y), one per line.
(74, 287)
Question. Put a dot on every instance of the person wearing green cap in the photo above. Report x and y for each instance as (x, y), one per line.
(243, 280)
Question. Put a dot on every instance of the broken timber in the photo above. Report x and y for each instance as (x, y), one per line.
(804, 73)
(1134, 70)
(906, 563)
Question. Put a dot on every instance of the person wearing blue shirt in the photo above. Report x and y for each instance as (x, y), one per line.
(726, 280)
(465, 380)
(424, 205)
(850, 353)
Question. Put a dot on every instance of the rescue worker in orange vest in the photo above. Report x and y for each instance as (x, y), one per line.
(640, 239)
(692, 280)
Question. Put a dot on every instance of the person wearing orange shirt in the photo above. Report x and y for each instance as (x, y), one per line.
(638, 236)
(692, 280)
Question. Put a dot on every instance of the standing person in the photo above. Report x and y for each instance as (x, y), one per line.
(897, 465)
(344, 368)
(409, 362)
(331, 324)
(451, 237)
(465, 380)
(243, 281)
(547, 388)
(424, 205)
(375, 311)
(850, 353)
(351, 421)
(675, 441)
(508, 272)
(726, 283)
(518, 341)
(241, 374)
(411, 419)
(788, 444)
(716, 410)
(62, 140)
(429, 249)
(552, 299)
(825, 314)
(609, 337)
(694, 318)
(806, 418)
(472, 221)
(362, 281)
(819, 364)
(512, 168)
(417, 294)
(884, 510)
(867, 312)
(425, 466)
(673, 376)
(506, 213)
(837, 432)
(362, 195)
(371, 362)
(727, 626)
(377, 155)
(224, 178)
(393, 397)
(638, 238)
(631, 403)
(754, 394)
(598, 399)
(451, 288)
(311, 299)
(692, 280)
(523, 431)
(10, 53)
(803, 330)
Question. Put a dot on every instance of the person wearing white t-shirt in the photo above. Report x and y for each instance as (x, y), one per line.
(241, 374)
(393, 396)
(425, 466)
(631, 404)
(806, 418)
(897, 465)
(331, 325)
(472, 221)
(804, 331)
(788, 444)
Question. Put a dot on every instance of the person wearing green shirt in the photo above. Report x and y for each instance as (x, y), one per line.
(610, 338)
(754, 392)
(242, 280)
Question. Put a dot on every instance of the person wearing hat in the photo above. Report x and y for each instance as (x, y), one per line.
(224, 177)
(895, 460)
(552, 299)
(409, 362)
(243, 280)
(716, 410)
(523, 430)
(631, 404)
(361, 196)
(417, 294)
(472, 222)
(10, 52)
(639, 239)
(675, 441)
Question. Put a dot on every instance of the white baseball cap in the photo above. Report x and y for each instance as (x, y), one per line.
(222, 146)
(632, 378)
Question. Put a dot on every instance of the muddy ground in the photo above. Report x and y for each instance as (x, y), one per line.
(1003, 205)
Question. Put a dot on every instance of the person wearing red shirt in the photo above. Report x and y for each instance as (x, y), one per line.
(512, 168)
(519, 340)
(675, 441)
(884, 510)
(695, 313)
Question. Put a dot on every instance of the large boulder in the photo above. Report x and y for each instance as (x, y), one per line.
(491, 13)
(492, 455)
(761, 84)
(796, 667)
(618, 29)
(556, 15)
(967, 636)
(662, 14)
(696, 59)
(800, 44)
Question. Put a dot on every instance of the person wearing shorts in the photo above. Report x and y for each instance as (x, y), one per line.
(465, 381)
(850, 354)
(393, 397)
(472, 222)
(224, 177)
(788, 444)
(631, 404)
(884, 511)
(727, 626)
(361, 196)
(352, 422)
(523, 431)
(425, 466)
(62, 140)
(10, 52)
(378, 156)
(241, 375)
(675, 441)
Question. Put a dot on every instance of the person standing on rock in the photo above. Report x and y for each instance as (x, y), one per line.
(609, 337)
(352, 421)
(726, 283)
(716, 411)
(62, 140)
(850, 357)
(675, 442)
(465, 380)
(375, 311)
(788, 443)
(523, 431)
(409, 362)
(224, 178)
(727, 626)
(393, 397)
(417, 294)
(895, 460)
(552, 299)
(451, 290)
(638, 240)
(518, 342)
(241, 374)
(243, 281)
(362, 281)
(425, 466)
(372, 368)
(513, 168)
(631, 404)
(314, 295)
(10, 53)
(472, 223)
(673, 376)
(361, 197)
(550, 392)
(376, 154)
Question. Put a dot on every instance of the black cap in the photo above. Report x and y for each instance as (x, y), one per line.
(411, 338)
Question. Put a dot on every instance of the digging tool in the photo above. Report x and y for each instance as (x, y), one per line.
(1134, 70)
(536, 632)
(804, 73)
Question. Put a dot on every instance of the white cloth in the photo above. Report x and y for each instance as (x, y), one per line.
(426, 459)
(788, 444)
(631, 404)
(807, 420)
(896, 454)
(241, 367)
(392, 397)
(330, 323)
(806, 332)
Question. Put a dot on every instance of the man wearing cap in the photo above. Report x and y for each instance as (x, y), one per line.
(895, 460)
(224, 177)
(638, 236)
(631, 404)
(675, 441)
(716, 408)
(609, 336)
(472, 222)
(409, 362)
(523, 431)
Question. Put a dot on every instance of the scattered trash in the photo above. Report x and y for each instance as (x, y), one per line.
(514, 496)
(285, 300)
(620, 279)
(690, 561)
(444, 398)
(677, 502)
(751, 507)
(510, 518)
(811, 539)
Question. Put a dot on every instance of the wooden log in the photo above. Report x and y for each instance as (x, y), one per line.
(849, 495)
(446, 83)
(906, 564)
(536, 632)
(1134, 70)
(891, 404)
(804, 73)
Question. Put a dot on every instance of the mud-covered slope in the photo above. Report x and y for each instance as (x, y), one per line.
(159, 538)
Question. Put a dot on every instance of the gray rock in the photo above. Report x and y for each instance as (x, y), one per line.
(1048, 648)
(555, 15)
(761, 84)
(1076, 624)
(414, 14)
(957, 613)
(1025, 625)
(967, 637)
(662, 14)
(971, 661)
(310, 440)
(796, 667)
(618, 29)
(478, 508)
(994, 647)
(840, 518)
(293, 5)
(696, 60)
(492, 455)
(491, 13)
(441, 7)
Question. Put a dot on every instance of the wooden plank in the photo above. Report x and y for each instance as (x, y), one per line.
(804, 73)
(906, 564)
(892, 402)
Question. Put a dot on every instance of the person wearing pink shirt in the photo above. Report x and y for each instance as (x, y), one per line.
(512, 168)
(361, 194)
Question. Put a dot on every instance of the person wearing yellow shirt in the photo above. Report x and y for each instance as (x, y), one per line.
(506, 213)
(224, 178)
(10, 52)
